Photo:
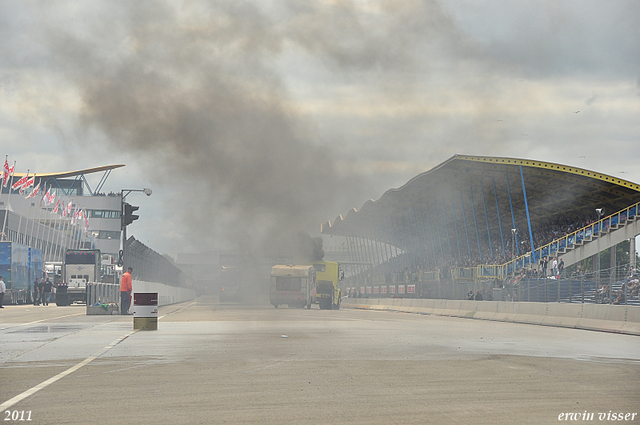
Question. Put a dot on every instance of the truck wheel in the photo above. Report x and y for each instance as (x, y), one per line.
(337, 306)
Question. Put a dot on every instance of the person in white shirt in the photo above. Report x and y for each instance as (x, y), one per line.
(3, 289)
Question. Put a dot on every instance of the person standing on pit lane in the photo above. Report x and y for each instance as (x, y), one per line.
(125, 291)
(46, 294)
(40, 291)
(3, 289)
(34, 295)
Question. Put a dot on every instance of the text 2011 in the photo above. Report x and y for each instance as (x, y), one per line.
(17, 415)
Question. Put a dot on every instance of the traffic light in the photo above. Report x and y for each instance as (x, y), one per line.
(129, 216)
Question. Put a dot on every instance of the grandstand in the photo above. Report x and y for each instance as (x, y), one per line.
(480, 221)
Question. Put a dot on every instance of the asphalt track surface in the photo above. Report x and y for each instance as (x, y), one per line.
(228, 363)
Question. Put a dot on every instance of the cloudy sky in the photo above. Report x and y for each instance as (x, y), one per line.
(249, 117)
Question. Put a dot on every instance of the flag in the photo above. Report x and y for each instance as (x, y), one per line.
(86, 224)
(69, 205)
(5, 174)
(29, 183)
(55, 209)
(74, 218)
(20, 183)
(34, 192)
(45, 197)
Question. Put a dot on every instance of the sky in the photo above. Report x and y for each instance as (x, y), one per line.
(253, 120)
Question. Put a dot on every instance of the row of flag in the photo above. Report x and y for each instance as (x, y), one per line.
(77, 216)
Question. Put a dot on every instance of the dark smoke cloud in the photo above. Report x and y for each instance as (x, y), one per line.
(308, 249)
(191, 96)
(197, 92)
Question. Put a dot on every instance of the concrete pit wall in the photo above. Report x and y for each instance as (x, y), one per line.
(623, 319)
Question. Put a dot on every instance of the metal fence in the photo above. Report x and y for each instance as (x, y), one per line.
(618, 285)
(103, 293)
(150, 266)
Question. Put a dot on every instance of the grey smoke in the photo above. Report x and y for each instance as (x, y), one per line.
(194, 99)
(206, 91)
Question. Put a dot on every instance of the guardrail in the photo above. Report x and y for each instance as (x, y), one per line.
(103, 293)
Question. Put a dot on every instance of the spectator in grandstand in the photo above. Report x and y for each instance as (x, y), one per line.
(478, 296)
(602, 295)
(544, 263)
(560, 268)
(621, 295)
(578, 271)
(470, 295)
(554, 266)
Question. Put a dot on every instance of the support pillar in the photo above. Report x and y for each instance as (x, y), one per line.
(613, 273)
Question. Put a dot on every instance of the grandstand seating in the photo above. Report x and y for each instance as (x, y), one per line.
(624, 223)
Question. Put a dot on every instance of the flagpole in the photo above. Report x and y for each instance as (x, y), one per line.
(43, 225)
(37, 220)
(68, 243)
(6, 211)
(31, 195)
(20, 222)
(50, 242)
(6, 207)
(61, 227)
(46, 245)
(75, 231)
(57, 238)
(32, 225)
(61, 232)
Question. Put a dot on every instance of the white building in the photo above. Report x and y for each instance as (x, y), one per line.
(32, 221)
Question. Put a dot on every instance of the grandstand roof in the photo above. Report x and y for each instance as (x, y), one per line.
(63, 174)
(449, 201)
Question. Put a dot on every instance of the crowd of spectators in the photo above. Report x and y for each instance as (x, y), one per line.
(438, 258)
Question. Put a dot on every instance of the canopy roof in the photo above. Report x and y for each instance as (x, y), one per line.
(469, 198)
(63, 174)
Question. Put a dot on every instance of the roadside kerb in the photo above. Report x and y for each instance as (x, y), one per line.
(598, 317)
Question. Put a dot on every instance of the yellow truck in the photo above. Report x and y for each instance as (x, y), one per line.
(328, 277)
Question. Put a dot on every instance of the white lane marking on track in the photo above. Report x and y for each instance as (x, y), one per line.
(41, 320)
(7, 404)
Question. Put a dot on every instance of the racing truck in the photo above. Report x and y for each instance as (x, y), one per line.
(80, 267)
(328, 277)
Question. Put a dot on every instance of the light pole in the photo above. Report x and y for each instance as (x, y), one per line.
(600, 214)
(514, 232)
(126, 217)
